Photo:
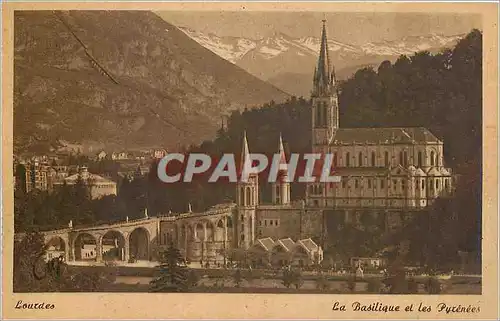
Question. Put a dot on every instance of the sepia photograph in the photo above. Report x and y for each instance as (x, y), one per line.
(249, 151)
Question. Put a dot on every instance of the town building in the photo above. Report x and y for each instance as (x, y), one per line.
(98, 185)
(385, 172)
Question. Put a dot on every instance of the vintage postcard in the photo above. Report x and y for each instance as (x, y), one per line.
(250, 160)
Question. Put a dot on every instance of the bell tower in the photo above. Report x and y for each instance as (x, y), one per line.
(325, 111)
(281, 188)
(247, 199)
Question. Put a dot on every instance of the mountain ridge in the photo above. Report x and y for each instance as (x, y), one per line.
(124, 78)
(275, 57)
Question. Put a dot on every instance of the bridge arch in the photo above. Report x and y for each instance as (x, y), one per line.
(85, 247)
(113, 246)
(210, 231)
(139, 244)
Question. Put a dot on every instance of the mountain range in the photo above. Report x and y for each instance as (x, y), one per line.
(289, 62)
(120, 79)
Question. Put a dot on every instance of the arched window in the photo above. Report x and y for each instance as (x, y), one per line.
(325, 115)
(419, 159)
(356, 183)
(318, 116)
(242, 196)
(347, 159)
(373, 159)
(405, 158)
(386, 158)
(401, 158)
(432, 158)
(360, 159)
(247, 200)
(423, 185)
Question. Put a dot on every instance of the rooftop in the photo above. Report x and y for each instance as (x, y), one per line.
(402, 135)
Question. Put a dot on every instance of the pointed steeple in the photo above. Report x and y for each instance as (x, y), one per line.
(245, 154)
(281, 150)
(323, 76)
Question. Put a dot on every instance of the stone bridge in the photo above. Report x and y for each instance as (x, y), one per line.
(199, 236)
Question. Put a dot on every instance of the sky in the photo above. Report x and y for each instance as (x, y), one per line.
(355, 28)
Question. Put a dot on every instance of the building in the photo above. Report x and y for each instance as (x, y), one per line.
(398, 168)
(158, 153)
(101, 155)
(98, 185)
(385, 172)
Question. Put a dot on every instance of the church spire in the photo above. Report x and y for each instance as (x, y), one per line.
(245, 154)
(323, 76)
(281, 151)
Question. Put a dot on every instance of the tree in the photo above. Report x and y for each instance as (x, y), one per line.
(237, 278)
(173, 275)
(33, 274)
(322, 283)
(193, 278)
(292, 277)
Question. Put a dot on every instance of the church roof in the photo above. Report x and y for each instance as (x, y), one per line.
(380, 136)
(308, 245)
(287, 244)
(267, 243)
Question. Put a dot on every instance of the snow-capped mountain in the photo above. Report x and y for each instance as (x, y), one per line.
(229, 48)
(277, 57)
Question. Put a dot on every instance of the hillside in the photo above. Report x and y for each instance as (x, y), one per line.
(120, 78)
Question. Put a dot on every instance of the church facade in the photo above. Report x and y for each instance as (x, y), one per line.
(386, 172)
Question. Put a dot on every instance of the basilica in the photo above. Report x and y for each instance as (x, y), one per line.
(384, 171)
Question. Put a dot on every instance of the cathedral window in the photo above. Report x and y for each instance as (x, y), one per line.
(360, 159)
(373, 159)
(405, 158)
(318, 116)
(432, 158)
(437, 184)
(394, 186)
(401, 158)
(423, 185)
(386, 158)
(356, 183)
(325, 113)
(382, 184)
(419, 159)
(347, 159)
(369, 183)
(417, 184)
